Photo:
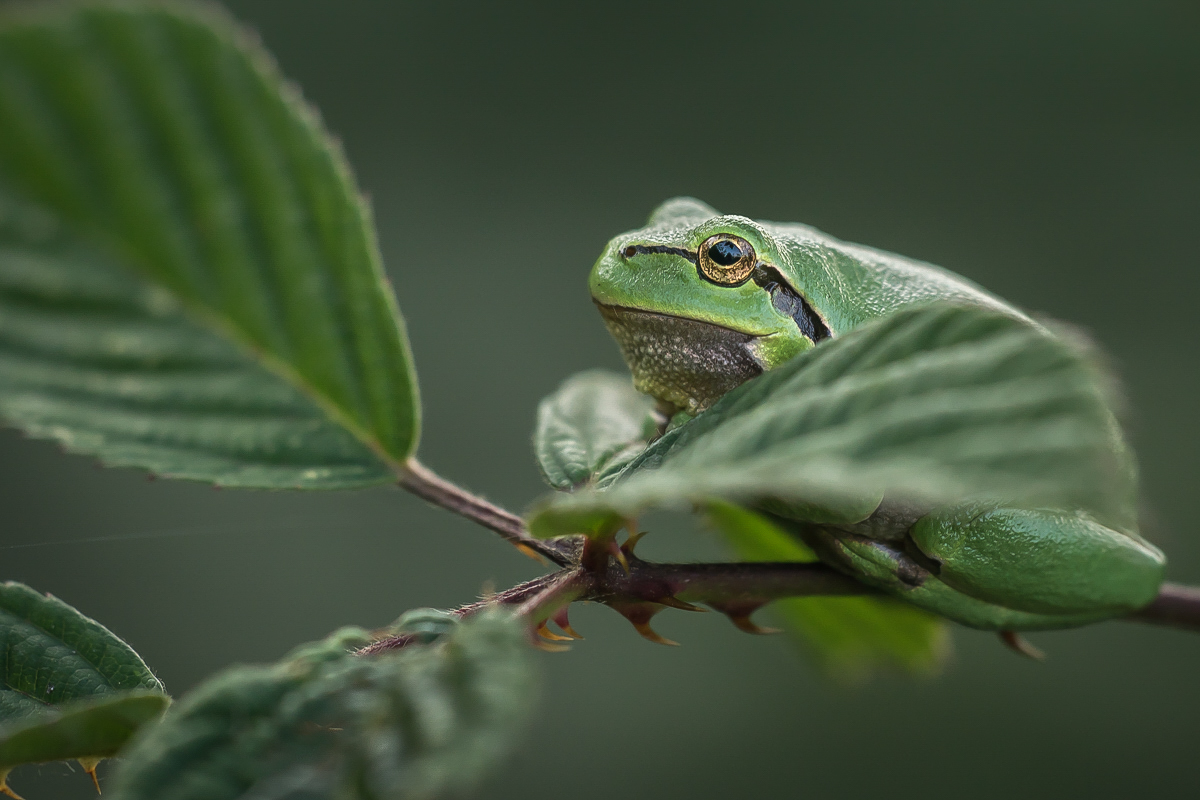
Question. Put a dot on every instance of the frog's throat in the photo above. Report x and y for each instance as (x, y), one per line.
(685, 362)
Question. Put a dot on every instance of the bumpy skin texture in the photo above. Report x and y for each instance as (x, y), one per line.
(688, 339)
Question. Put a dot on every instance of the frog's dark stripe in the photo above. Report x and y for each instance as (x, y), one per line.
(785, 299)
(634, 249)
(788, 301)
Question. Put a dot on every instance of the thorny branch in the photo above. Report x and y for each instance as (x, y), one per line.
(736, 590)
(599, 571)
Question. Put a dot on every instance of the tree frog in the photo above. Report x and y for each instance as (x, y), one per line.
(700, 302)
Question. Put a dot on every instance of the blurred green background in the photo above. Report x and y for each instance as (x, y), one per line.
(1050, 152)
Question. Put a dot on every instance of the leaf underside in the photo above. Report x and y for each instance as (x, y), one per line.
(189, 281)
(69, 688)
(420, 722)
(84, 730)
(933, 404)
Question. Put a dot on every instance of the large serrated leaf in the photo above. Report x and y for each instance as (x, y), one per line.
(420, 722)
(848, 636)
(594, 422)
(69, 688)
(932, 404)
(189, 280)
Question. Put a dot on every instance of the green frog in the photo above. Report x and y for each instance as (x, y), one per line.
(700, 302)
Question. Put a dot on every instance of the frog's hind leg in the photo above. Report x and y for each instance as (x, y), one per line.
(1046, 562)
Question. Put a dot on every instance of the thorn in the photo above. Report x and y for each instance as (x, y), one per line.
(546, 633)
(739, 614)
(541, 644)
(631, 541)
(529, 551)
(640, 614)
(619, 554)
(649, 633)
(4, 790)
(561, 620)
(89, 766)
(549, 647)
(744, 623)
(1018, 644)
(674, 602)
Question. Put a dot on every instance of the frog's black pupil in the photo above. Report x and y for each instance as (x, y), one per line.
(725, 252)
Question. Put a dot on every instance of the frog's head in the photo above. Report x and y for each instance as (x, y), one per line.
(698, 303)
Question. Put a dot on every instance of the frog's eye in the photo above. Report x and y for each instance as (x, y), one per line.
(726, 260)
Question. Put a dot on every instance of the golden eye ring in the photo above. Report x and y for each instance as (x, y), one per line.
(726, 260)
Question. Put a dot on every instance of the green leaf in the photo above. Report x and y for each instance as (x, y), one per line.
(189, 279)
(69, 688)
(933, 404)
(422, 721)
(595, 422)
(51, 654)
(849, 636)
(86, 729)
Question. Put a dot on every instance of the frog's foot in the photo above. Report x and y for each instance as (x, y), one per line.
(1019, 644)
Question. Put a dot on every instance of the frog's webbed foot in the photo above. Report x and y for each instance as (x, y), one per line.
(1019, 644)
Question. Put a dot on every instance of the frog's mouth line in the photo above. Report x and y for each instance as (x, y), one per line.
(610, 312)
(784, 296)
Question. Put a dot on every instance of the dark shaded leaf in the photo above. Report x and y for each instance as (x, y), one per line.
(51, 654)
(418, 722)
(69, 688)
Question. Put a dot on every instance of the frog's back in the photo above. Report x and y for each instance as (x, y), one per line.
(850, 284)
